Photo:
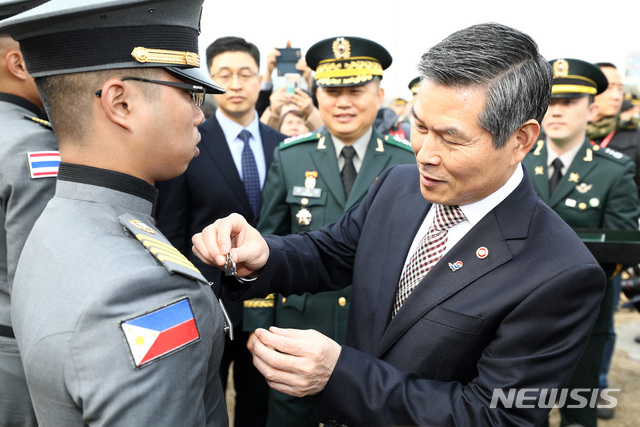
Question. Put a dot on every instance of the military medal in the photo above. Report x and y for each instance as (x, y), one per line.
(230, 266)
(310, 179)
(304, 216)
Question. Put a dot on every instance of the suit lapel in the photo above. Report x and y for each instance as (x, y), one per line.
(408, 218)
(442, 282)
(376, 159)
(324, 157)
(217, 149)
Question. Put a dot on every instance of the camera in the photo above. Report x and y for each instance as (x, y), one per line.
(631, 289)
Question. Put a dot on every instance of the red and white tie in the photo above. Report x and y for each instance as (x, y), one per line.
(429, 251)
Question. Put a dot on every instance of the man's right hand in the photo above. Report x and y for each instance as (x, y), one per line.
(232, 235)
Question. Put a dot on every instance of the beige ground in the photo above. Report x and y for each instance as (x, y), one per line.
(624, 374)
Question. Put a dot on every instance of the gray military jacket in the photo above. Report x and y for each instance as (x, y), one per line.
(22, 198)
(115, 327)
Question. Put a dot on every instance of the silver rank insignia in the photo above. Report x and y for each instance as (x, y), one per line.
(304, 216)
(230, 266)
(583, 187)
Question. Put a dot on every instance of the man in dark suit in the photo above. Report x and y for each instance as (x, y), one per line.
(308, 187)
(495, 316)
(214, 186)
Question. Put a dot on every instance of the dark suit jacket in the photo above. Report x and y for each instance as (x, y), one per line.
(210, 188)
(510, 320)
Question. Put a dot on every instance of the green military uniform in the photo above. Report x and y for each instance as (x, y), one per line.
(597, 191)
(303, 192)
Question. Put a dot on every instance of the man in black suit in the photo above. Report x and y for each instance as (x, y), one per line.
(464, 281)
(219, 182)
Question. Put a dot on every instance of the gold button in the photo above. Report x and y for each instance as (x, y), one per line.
(304, 201)
(342, 301)
(284, 300)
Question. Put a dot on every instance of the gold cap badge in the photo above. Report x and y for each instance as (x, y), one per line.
(341, 48)
(560, 68)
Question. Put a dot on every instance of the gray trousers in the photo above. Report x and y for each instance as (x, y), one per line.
(15, 402)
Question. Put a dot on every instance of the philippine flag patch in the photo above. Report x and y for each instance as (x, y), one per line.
(43, 164)
(160, 332)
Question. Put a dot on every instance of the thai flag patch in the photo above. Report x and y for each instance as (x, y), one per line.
(160, 332)
(43, 164)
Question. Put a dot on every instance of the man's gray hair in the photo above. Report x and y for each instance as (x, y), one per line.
(503, 61)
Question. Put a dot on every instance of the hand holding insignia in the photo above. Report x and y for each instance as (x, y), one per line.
(233, 245)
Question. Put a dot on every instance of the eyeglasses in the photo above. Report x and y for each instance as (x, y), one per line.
(225, 77)
(197, 93)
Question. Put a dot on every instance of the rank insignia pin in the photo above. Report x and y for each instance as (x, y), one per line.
(539, 170)
(455, 266)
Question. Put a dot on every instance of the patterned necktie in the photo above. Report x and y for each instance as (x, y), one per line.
(250, 176)
(348, 170)
(556, 176)
(429, 251)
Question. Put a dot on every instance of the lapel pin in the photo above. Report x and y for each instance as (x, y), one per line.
(455, 266)
(482, 252)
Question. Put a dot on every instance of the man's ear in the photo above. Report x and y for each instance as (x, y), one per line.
(525, 137)
(15, 64)
(117, 100)
(594, 110)
(380, 97)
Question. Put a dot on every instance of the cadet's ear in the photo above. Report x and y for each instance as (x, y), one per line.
(525, 137)
(15, 64)
(115, 100)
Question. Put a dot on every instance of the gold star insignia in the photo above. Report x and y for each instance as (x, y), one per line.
(539, 170)
(574, 177)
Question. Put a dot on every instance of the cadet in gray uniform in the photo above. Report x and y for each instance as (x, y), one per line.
(28, 167)
(114, 325)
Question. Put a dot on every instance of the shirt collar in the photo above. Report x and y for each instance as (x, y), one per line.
(231, 129)
(360, 145)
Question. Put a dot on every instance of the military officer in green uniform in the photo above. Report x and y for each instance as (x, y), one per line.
(589, 187)
(315, 178)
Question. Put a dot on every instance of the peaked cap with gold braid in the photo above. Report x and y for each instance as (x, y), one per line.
(574, 78)
(75, 36)
(347, 61)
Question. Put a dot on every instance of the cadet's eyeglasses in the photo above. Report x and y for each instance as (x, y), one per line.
(197, 92)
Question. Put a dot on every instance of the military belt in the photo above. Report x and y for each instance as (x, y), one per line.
(6, 331)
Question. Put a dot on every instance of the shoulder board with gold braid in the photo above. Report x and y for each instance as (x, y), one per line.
(267, 302)
(610, 153)
(398, 142)
(39, 121)
(295, 140)
(158, 245)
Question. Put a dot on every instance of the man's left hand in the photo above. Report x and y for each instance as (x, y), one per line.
(295, 362)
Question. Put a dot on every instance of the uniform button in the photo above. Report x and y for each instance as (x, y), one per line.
(284, 300)
(342, 301)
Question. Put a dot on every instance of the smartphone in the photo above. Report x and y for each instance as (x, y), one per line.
(286, 62)
(292, 81)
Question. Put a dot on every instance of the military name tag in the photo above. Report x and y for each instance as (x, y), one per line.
(307, 192)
